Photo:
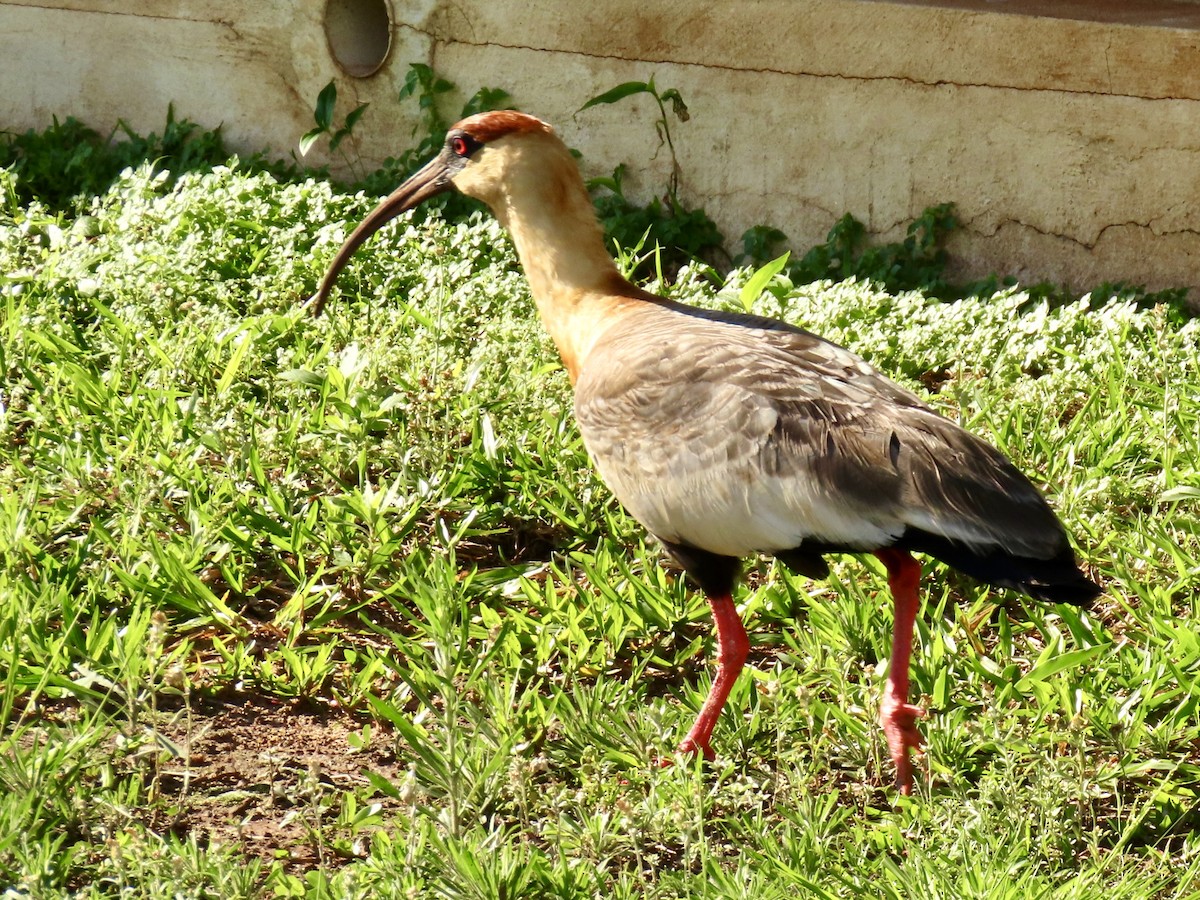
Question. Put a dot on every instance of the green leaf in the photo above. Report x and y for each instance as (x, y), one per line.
(487, 99)
(620, 92)
(760, 279)
(1181, 492)
(326, 100)
(1059, 663)
(302, 376)
(412, 80)
(309, 139)
(353, 117)
(347, 127)
(382, 785)
(235, 361)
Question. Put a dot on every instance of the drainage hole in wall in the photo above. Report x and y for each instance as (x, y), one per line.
(359, 34)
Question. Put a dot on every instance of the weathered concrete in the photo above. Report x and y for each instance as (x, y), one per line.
(1067, 132)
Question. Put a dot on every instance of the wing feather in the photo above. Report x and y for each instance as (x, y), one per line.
(734, 434)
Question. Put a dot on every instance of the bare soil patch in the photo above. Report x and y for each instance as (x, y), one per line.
(269, 776)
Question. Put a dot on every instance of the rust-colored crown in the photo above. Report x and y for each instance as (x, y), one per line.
(488, 126)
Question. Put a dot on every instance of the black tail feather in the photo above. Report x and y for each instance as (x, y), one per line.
(1057, 579)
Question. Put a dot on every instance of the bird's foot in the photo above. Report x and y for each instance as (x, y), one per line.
(694, 746)
(899, 721)
(687, 748)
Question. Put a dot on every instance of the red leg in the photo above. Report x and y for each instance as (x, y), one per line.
(732, 648)
(897, 716)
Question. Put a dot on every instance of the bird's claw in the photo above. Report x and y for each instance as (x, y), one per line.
(694, 747)
(691, 747)
(899, 721)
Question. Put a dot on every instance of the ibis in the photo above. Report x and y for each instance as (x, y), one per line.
(728, 435)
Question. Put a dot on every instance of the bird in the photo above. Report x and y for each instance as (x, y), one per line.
(729, 435)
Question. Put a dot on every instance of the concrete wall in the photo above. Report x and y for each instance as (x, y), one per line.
(1066, 131)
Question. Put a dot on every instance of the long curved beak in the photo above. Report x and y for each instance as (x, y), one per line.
(428, 182)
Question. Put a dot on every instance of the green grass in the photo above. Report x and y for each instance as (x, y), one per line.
(206, 493)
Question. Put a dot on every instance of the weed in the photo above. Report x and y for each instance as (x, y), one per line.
(323, 114)
(680, 234)
(662, 124)
(916, 263)
(70, 161)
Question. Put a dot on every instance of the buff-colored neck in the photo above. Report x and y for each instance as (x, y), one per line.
(533, 186)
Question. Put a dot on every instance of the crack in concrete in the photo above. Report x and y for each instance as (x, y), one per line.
(901, 79)
(973, 227)
(224, 23)
(866, 79)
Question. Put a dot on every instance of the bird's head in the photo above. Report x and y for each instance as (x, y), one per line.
(481, 158)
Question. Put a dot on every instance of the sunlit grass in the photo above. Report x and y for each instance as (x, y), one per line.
(205, 491)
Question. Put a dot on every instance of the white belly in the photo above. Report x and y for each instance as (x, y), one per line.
(736, 516)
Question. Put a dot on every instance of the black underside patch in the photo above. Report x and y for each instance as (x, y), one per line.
(1056, 579)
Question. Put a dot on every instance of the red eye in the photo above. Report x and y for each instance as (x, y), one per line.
(459, 146)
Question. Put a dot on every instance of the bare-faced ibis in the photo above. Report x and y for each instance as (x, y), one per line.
(728, 435)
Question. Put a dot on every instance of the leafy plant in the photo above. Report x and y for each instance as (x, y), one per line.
(70, 160)
(760, 244)
(323, 114)
(422, 84)
(916, 263)
(662, 124)
(682, 234)
(758, 282)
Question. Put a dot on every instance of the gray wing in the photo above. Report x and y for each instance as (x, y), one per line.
(734, 435)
